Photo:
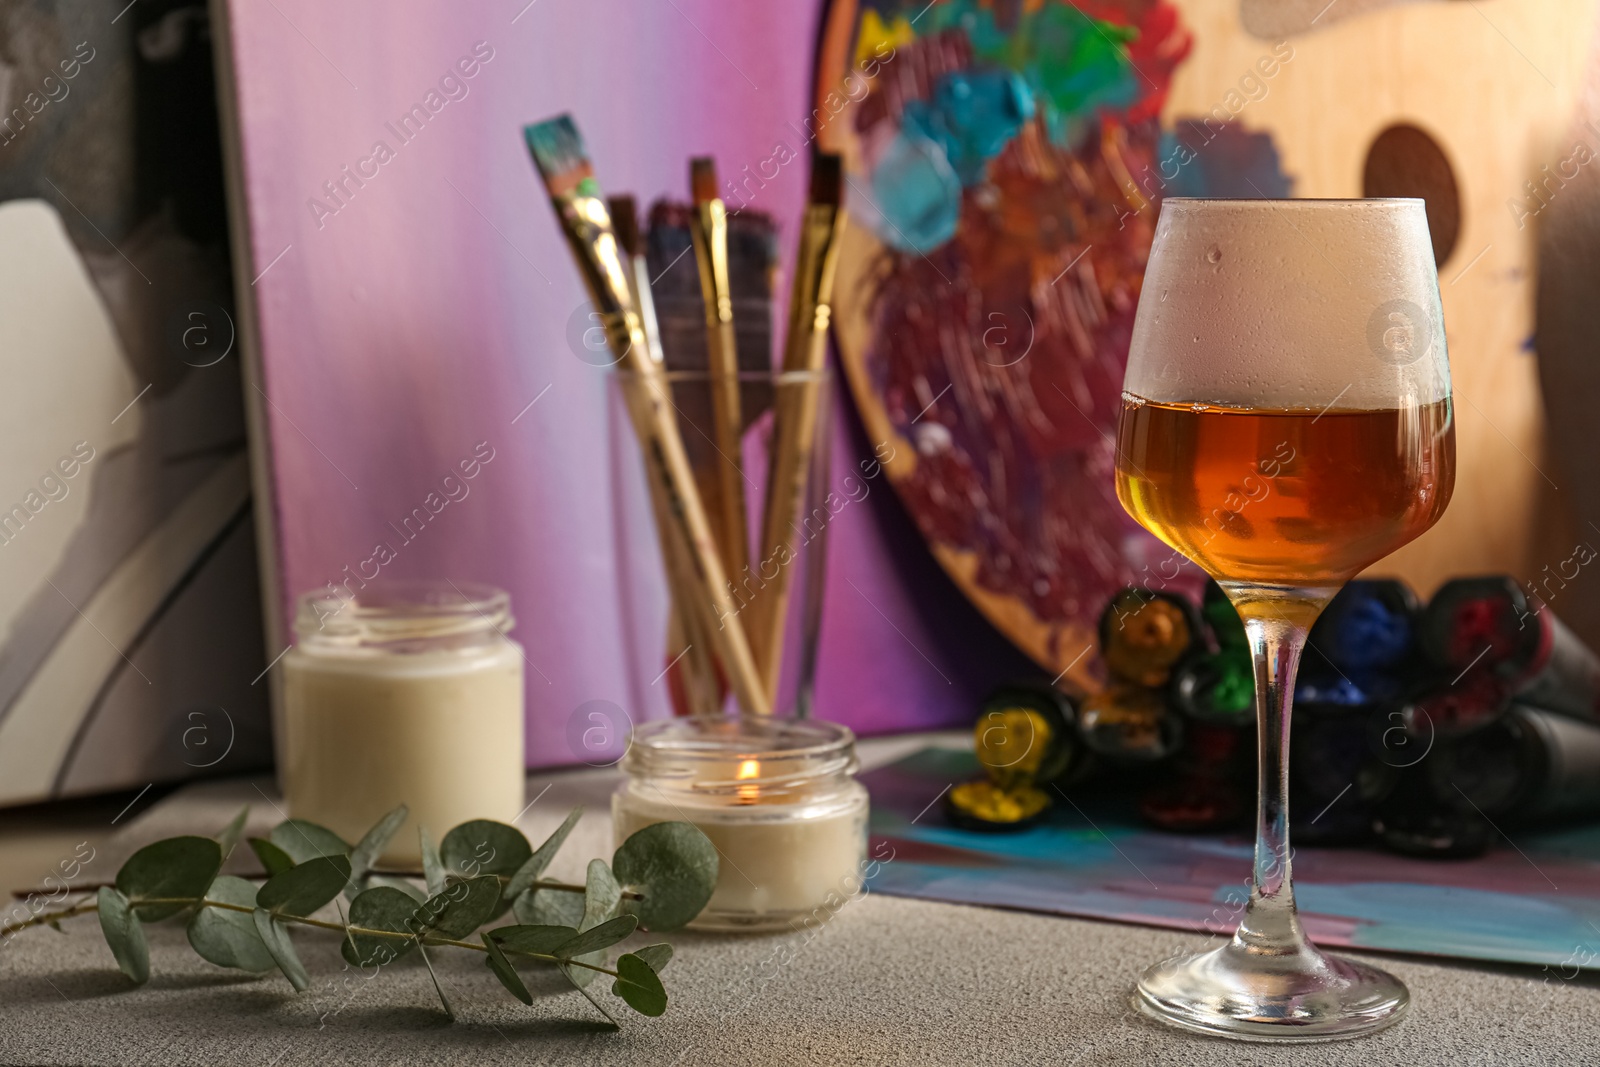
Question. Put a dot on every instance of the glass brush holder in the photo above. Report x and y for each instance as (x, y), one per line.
(773, 568)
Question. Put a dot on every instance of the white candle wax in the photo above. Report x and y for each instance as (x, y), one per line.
(780, 858)
(439, 732)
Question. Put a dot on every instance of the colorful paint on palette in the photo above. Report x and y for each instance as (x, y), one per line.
(1013, 160)
(1093, 858)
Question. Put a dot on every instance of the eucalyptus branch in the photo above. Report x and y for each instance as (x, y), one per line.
(661, 877)
(95, 887)
(45, 918)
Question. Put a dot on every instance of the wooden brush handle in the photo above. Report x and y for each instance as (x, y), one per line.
(795, 410)
(687, 528)
(710, 237)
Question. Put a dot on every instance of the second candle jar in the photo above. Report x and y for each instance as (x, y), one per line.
(777, 799)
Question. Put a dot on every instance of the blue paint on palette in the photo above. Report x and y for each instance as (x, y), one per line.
(1094, 859)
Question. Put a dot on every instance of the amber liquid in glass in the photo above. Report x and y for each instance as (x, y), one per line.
(1285, 497)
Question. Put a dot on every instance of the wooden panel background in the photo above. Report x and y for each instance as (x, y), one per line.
(1495, 83)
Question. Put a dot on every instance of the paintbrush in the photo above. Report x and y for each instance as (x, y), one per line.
(558, 153)
(694, 686)
(796, 406)
(710, 234)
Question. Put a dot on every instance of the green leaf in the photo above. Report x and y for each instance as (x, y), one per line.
(276, 939)
(125, 935)
(387, 881)
(177, 867)
(450, 1013)
(433, 871)
(228, 839)
(535, 865)
(600, 900)
(657, 956)
(638, 984)
(579, 986)
(674, 866)
(274, 859)
(228, 938)
(539, 940)
(380, 908)
(504, 971)
(460, 909)
(306, 886)
(549, 907)
(601, 895)
(303, 840)
(603, 936)
(483, 846)
(371, 846)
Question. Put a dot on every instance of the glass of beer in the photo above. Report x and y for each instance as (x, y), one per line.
(1286, 423)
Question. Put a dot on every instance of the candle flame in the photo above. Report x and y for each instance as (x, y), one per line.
(749, 769)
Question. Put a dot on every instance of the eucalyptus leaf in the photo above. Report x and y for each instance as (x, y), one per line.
(549, 907)
(484, 846)
(371, 846)
(303, 840)
(181, 867)
(460, 909)
(276, 940)
(603, 936)
(274, 859)
(638, 984)
(228, 839)
(600, 900)
(306, 886)
(504, 971)
(229, 938)
(601, 895)
(580, 987)
(379, 908)
(375, 881)
(539, 940)
(674, 866)
(125, 934)
(536, 864)
(450, 1013)
(433, 871)
(657, 956)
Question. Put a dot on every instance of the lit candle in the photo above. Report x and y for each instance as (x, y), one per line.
(777, 799)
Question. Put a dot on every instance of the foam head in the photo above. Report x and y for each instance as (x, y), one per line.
(1290, 304)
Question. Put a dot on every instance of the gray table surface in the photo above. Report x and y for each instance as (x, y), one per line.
(886, 981)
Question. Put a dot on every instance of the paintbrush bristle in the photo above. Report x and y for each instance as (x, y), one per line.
(703, 179)
(559, 154)
(625, 223)
(827, 179)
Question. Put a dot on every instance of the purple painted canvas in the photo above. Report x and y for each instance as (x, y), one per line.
(415, 304)
(1538, 903)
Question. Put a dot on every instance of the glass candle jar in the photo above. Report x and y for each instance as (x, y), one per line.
(775, 796)
(410, 693)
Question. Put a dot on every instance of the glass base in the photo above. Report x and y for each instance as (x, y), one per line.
(1302, 995)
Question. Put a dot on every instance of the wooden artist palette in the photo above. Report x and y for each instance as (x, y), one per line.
(1006, 162)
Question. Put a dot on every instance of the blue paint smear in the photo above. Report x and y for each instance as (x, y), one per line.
(1209, 158)
(1499, 909)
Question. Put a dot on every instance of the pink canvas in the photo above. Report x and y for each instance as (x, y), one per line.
(415, 302)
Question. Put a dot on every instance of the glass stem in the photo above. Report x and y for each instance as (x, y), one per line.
(1270, 924)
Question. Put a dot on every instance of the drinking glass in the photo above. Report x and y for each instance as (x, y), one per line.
(1286, 422)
